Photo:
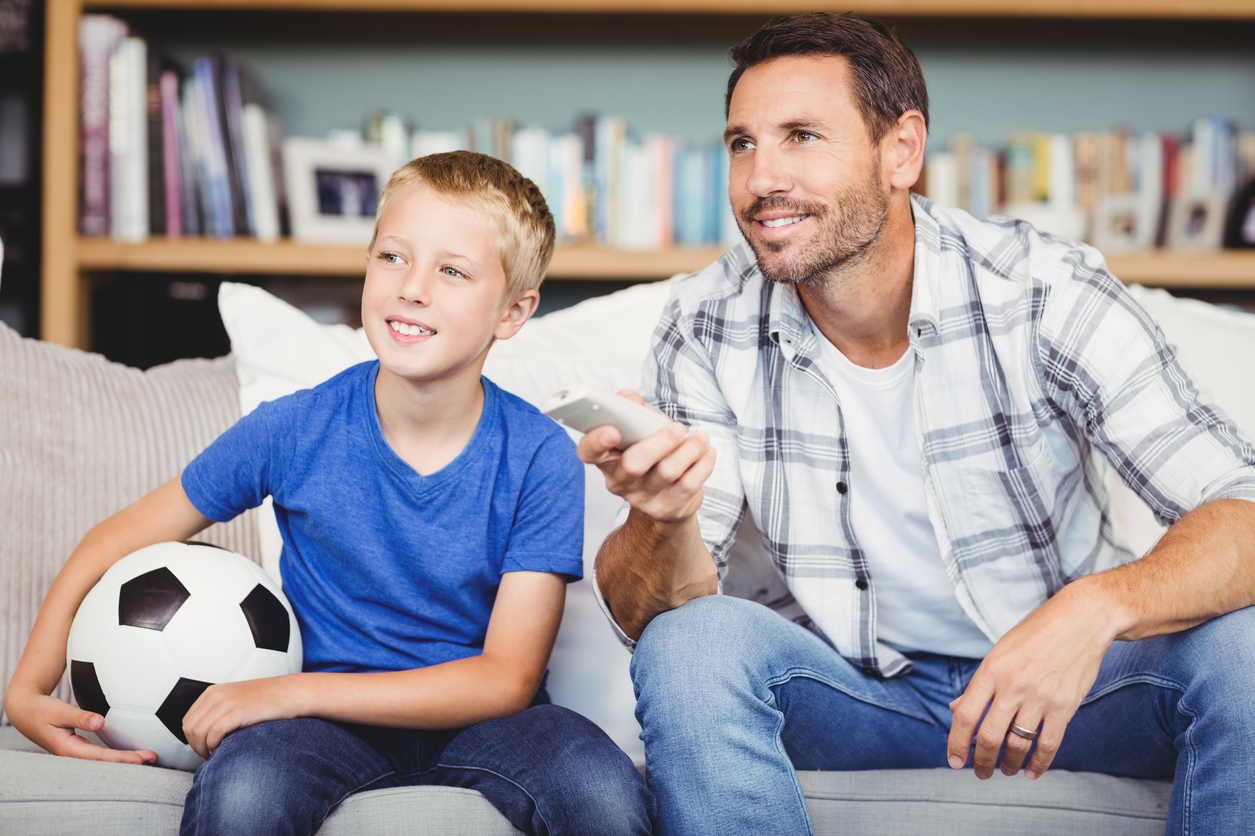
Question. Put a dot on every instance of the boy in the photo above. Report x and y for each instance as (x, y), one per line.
(430, 523)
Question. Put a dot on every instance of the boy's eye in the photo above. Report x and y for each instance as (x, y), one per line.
(452, 271)
(391, 258)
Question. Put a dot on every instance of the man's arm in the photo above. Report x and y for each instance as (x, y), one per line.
(657, 560)
(1203, 567)
(496, 683)
(1105, 363)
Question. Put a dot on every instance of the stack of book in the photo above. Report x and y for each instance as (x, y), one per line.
(1118, 190)
(166, 151)
(602, 184)
(176, 152)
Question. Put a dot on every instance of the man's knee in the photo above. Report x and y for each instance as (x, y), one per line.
(1217, 658)
(691, 660)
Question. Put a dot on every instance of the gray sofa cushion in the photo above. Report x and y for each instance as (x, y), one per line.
(943, 802)
(81, 438)
(37, 790)
(41, 794)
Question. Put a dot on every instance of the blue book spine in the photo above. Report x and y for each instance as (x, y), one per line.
(218, 186)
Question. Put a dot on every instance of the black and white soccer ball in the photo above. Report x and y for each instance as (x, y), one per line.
(161, 626)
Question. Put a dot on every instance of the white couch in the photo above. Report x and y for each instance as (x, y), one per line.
(80, 438)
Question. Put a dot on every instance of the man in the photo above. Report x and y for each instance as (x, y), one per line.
(915, 408)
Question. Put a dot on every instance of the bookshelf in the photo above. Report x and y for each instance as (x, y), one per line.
(69, 260)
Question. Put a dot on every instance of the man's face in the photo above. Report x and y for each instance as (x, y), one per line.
(805, 182)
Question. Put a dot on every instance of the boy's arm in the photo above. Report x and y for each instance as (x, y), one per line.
(165, 514)
(499, 682)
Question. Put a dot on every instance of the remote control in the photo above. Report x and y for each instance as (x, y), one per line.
(585, 408)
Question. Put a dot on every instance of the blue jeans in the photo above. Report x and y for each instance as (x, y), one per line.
(547, 769)
(732, 698)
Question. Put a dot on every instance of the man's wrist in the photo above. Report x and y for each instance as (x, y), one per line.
(1104, 597)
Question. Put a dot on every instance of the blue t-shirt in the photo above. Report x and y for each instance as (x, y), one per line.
(387, 569)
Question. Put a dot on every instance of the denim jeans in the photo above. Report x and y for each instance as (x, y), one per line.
(547, 769)
(732, 698)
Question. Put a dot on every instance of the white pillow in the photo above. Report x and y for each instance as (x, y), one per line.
(1215, 347)
(600, 342)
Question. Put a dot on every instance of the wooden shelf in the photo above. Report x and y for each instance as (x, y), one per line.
(1078, 9)
(1227, 269)
(207, 255)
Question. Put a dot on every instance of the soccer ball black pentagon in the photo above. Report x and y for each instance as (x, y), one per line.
(161, 626)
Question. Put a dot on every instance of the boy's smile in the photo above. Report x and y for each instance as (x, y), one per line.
(407, 331)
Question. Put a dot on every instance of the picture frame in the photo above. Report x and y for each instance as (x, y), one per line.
(1196, 222)
(1124, 224)
(333, 189)
(1240, 232)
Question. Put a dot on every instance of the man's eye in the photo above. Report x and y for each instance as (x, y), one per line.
(741, 145)
(805, 136)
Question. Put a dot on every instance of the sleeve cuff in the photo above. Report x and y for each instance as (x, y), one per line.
(623, 637)
(570, 566)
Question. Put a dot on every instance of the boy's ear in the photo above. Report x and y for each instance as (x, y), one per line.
(516, 313)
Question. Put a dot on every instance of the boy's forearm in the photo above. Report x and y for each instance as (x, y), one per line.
(646, 568)
(444, 696)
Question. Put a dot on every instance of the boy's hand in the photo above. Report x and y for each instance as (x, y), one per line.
(660, 476)
(51, 723)
(223, 708)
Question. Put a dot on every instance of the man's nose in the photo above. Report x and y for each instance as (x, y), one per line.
(768, 173)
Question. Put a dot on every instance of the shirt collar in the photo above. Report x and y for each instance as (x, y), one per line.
(924, 292)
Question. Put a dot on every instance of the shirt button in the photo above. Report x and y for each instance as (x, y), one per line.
(860, 583)
(842, 487)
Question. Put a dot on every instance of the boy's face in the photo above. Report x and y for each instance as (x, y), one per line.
(432, 302)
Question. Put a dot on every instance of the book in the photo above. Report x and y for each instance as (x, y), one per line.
(128, 141)
(171, 168)
(231, 110)
(156, 146)
(262, 194)
(99, 37)
(211, 146)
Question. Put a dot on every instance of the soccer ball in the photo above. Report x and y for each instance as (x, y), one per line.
(161, 626)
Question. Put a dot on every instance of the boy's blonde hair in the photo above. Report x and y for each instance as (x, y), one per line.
(513, 204)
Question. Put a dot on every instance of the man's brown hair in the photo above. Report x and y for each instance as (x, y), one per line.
(886, 77)
(512, 204)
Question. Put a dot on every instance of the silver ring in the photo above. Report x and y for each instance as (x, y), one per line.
(1027, 734)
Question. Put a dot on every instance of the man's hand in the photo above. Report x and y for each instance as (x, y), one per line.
(1035, 677)
(223, 708)
(52, 723)
(661, 476)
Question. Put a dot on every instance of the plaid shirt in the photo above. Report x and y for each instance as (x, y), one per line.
(1033, 369)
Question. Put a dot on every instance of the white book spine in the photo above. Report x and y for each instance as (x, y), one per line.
(943, 179)
(128, 140)
(1062, 188)
(261, 175)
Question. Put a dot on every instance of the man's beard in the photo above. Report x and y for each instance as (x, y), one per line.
(846, 230)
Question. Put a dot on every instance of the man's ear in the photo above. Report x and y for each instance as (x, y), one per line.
(903, 150)
(516, 313)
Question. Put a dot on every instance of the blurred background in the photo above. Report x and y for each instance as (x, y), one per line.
(147, 153)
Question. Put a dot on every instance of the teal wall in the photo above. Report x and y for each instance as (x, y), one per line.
(678, 88)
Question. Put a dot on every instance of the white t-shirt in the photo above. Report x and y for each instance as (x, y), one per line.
(916, 608)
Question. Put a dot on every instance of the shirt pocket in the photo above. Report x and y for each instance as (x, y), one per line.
(1008, 516)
